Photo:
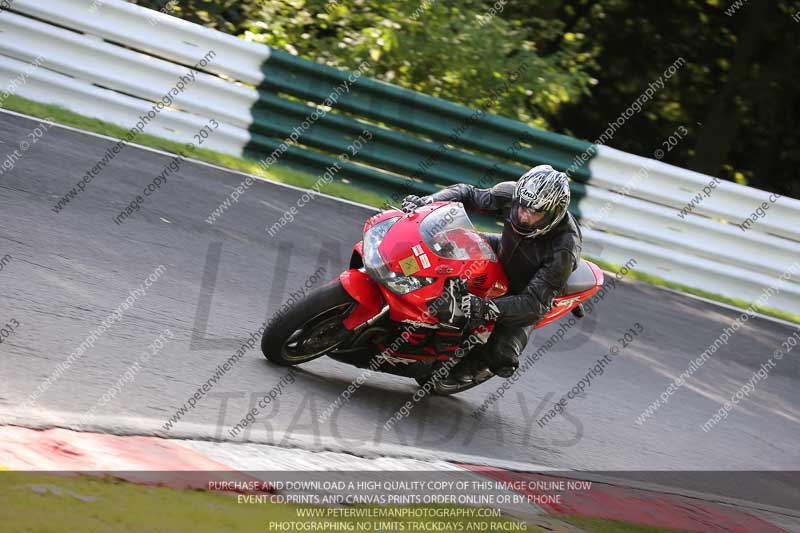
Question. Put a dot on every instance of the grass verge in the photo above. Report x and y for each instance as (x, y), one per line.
(339, 187)
(277, 173)
(596, 525)
(38, 502)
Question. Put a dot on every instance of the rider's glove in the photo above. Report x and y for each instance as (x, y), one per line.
(478, 310)
(412, 202)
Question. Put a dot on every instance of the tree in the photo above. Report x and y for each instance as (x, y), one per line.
(454, 51)
(587, 61)
(735, 95)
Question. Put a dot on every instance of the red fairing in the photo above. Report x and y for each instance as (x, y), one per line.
(406, 252)
(598, 275)
(433, 244)
(365, 292)
(566, 303)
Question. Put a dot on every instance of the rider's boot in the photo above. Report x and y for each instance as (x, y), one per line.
(504, 365)
(468, 367)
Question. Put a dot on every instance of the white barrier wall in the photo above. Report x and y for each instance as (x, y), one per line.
(114, 61)
(84, 68)
(705, 248)
(675, 187)
(169, 38)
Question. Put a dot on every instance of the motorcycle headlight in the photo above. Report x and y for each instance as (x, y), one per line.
(376, 267)
(373, 261)
(401, 285)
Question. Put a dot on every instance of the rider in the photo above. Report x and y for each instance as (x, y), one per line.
(539, 248)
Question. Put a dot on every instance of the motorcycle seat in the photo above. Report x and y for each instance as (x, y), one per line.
(581, 279)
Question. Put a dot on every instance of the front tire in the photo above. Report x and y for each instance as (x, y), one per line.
(310, 329)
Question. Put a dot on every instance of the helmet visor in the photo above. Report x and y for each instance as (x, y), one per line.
(527, 221)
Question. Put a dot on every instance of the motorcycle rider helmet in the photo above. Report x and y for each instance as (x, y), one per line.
(540, 201)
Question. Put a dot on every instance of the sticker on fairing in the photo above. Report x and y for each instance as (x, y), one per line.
(417, 250)
(425, 262)
(409, 265)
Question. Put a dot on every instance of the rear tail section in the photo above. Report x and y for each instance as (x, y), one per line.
(581, 285)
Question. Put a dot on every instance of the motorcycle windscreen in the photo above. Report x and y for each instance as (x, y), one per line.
(449, 233)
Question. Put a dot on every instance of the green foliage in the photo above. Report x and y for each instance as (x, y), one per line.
(454, 51)
(228, 16)
(450, 51)
(586, 62)
(736, 95)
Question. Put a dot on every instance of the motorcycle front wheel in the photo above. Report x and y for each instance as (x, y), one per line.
(310, 328)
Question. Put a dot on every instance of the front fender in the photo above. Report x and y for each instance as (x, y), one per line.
(357, 258)
(363, 289)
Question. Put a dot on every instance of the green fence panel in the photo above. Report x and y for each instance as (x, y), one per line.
(419, 143)
(391, 150)
(315, 163)
(426, 115)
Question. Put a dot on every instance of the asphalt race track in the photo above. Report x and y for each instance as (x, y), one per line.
(69, 270)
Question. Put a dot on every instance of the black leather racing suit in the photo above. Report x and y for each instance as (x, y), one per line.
(537, 268)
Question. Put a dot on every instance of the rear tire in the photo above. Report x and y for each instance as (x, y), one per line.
(309, 329)
(449, 386)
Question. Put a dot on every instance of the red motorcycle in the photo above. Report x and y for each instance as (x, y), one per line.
(395, 310)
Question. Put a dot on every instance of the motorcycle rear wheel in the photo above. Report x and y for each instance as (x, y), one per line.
(310, 329)
(449, 386)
